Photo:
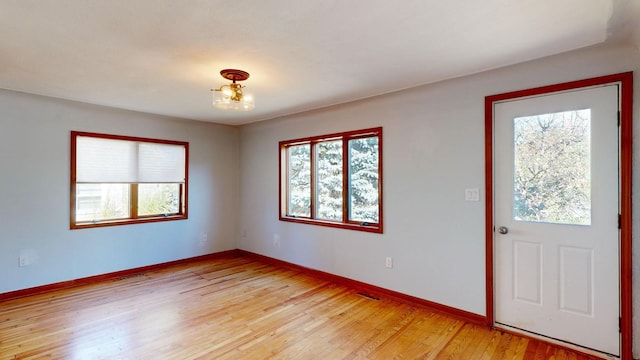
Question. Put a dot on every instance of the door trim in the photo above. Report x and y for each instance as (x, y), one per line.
(625, 80)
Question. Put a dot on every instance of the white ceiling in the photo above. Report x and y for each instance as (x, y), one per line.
(164, 56)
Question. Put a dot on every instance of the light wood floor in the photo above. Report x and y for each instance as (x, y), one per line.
(239, 308)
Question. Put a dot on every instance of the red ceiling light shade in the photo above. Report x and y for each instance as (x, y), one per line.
(231, 96)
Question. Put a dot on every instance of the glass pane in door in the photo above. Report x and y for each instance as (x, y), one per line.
(552, 168)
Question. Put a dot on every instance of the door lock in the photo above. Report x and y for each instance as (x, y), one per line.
(503, 230)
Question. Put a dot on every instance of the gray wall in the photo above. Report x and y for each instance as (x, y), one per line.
(34, 193)
(433, 150)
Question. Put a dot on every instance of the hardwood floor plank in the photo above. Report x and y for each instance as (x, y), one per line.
(241, 308)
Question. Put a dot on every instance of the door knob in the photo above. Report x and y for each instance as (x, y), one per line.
(503, 230)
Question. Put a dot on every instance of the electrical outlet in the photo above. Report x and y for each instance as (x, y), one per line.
(389, 262)
(23, 260)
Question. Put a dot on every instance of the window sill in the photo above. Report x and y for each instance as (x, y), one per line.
(372, 228)
(87, 225)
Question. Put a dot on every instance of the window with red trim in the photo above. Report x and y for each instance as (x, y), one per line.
(333, 180)
(122, 180)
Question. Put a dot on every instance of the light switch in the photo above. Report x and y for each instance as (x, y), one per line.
(472, 194)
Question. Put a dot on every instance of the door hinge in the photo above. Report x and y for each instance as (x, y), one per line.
(618, 118)
(620, 324)
(619, 221)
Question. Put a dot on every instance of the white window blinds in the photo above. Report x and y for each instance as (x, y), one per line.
(100, 160)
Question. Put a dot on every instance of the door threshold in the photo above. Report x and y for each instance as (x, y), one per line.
(554, 341)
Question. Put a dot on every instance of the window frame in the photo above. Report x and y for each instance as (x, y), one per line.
(133, 218)
(345, 223)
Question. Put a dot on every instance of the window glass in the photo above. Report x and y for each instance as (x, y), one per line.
(329, 180)
(98, 202)
(299, 161)
(158, 199)
(552, 168)
(363, 179)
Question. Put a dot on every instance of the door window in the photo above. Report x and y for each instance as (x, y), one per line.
(552, 168)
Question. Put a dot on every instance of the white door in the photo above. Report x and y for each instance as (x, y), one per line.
(556, 216)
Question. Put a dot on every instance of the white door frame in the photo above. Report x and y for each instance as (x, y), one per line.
(625, 80)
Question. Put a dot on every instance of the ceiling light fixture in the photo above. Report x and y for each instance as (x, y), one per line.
(231, 96)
